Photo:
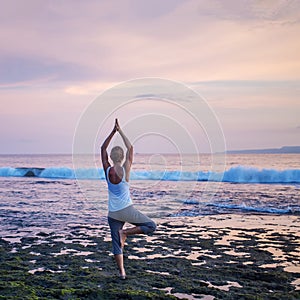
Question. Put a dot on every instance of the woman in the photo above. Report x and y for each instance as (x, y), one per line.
(120, 206)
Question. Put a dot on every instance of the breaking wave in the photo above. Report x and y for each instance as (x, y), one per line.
(240, 174)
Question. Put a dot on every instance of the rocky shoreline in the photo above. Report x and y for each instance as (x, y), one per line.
(211, 257)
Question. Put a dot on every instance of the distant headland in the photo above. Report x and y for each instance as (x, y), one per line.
(282, 150)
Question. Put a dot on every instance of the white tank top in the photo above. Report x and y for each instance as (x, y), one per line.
(118, 194)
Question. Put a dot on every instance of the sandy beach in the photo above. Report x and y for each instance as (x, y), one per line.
(228, 256)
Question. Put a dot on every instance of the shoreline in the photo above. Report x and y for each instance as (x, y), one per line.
(228, 256)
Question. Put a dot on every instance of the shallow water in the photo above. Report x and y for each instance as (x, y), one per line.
(34, 204)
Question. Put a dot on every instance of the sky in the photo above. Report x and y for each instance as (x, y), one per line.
(241, 56)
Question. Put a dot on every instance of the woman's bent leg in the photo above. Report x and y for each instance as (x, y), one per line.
(142, 222)
(140, 228)
(147, 227)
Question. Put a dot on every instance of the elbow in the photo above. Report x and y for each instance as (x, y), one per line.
(103, 149)
(129, 154)
(130, 150)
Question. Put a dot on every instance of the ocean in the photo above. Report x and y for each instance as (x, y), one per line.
(47, 193)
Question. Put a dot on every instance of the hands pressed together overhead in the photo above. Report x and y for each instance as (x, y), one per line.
(117, 126)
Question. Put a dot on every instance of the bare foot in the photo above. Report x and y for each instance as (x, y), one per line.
(122, 274)
(123, 237)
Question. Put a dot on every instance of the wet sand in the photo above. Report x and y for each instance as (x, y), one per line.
(212, 257)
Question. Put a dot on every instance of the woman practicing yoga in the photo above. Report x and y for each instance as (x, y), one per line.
(120, 206)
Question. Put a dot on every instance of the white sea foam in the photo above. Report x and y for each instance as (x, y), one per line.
(239, 174)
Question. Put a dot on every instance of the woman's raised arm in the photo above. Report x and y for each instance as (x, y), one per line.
(129, 147)
(104, 155)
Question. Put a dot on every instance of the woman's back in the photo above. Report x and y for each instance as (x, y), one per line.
(118, 191)
(116, 174)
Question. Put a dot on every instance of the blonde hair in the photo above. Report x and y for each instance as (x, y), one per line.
(117, 154)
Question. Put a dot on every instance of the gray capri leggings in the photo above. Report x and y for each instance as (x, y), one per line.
(117, 219)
